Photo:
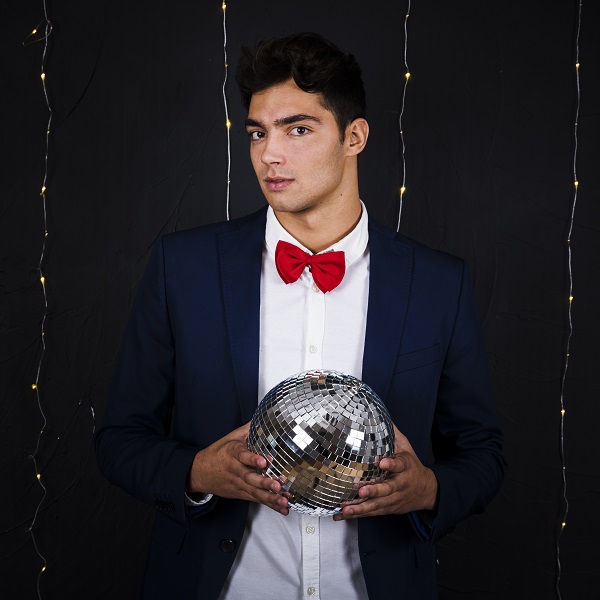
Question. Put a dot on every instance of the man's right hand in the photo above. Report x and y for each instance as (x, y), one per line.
(228, 469)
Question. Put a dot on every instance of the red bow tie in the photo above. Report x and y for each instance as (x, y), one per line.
(327, 269)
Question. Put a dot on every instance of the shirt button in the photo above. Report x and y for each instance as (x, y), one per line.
(310, 529)
(315, 288)
(313, 349)
(311, 591)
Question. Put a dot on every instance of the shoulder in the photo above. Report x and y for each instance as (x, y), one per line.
(422, 256)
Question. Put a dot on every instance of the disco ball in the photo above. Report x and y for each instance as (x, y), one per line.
(323, 433)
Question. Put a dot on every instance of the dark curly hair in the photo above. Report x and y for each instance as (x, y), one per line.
(316, 66)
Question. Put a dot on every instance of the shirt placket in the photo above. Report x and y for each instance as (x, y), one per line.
(313, 359)
(310, 557)
(315, 325)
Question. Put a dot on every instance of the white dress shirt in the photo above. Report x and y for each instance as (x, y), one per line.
(298, 556)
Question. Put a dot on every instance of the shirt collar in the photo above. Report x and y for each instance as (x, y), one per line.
(353, 245)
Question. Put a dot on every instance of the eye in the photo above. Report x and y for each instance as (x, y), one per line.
(256, 135)
(300, 130)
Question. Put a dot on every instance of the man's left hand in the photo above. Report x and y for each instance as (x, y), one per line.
(410, 486)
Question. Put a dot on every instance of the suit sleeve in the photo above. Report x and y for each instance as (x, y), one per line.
(133, 447)
(466, 441)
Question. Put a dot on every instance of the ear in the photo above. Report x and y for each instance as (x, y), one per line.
(357, 134)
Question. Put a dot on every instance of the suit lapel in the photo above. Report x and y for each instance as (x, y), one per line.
(389, 291)
(240, 254)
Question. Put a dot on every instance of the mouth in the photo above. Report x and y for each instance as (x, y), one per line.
(276, 184)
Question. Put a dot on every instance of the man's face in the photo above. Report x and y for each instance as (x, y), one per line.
(296, 151)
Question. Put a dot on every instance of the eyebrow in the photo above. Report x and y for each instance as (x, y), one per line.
(284, 120)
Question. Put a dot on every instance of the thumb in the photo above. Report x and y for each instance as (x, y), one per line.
(241, 433)
(401, 443)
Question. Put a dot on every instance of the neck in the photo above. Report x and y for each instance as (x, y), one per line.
(318, 230)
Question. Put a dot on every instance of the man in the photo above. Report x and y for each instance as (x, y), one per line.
(218, 322)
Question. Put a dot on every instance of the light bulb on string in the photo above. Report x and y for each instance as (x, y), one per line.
(565, 499)
(31, 39)
(225, 105)
(403, 104)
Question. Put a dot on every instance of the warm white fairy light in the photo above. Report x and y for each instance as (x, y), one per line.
(406, 78)
(36, 386)
(227, 121)
(567, 356)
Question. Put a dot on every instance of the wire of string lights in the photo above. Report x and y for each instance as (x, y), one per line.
(406, 78)
(565, 499)
(227, 121)
(36, 36)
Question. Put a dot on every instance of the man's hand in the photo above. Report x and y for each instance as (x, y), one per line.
(410, 486)
(228, 469)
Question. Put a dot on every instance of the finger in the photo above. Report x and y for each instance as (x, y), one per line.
(378, 490)
(276, 502)
(261, 482)
(370, 508)
(250, 459)
(267, 491)
(370, 490)
(394, 464)
(353, 502)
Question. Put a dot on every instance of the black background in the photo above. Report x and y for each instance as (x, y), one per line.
(138, 147)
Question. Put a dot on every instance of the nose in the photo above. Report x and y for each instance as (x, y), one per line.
(272, 151)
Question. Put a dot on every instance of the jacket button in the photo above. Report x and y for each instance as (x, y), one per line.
(227, 546)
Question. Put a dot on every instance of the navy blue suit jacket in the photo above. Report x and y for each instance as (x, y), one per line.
(188, 375)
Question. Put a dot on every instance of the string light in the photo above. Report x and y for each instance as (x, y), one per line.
(565, 498)
(406, 78)
(227, 121)
(31, 39)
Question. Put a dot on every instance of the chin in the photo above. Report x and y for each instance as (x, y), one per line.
(285, 207)
(288, 203)
(279, 204)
